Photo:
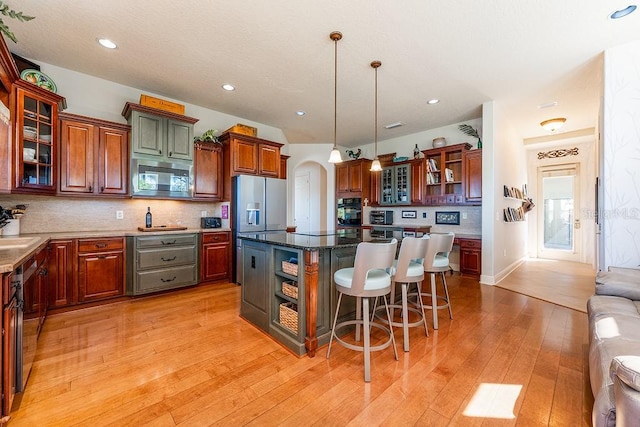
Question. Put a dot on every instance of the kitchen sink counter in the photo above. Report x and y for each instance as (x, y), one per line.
(15, 249)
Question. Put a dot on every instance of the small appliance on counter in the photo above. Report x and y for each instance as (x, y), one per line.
(211, 222)
(381, 217)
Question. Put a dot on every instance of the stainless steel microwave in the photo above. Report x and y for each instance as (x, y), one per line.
(160, 179)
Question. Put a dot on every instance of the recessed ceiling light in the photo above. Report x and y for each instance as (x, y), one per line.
(228, 86)
(433, 101)
(300, 113)
(623, 12)
(107, 43)
(393, 125)
(548, 105)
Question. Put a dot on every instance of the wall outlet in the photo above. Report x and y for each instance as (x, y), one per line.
(203, 213)
(119, 214)
(464, 215)
(424, 214)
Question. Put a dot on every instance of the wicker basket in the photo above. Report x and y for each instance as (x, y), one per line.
(290, 268)
(289, 316)
(290, 289)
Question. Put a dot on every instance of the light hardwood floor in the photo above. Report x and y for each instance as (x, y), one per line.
(186, 358)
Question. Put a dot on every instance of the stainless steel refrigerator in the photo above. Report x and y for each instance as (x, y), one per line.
(259, 205)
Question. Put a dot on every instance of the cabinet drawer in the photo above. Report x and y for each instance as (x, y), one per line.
(215, 237)
(168, 257)
(470, 244)
(99, 245)
(165, 278)
(166, 240)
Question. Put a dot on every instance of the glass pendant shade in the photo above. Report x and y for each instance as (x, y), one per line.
(335, 156)
(376, 166)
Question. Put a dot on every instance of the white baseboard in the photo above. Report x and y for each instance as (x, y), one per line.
(494, 280)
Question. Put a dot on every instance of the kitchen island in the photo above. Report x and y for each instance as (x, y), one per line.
(288, 289)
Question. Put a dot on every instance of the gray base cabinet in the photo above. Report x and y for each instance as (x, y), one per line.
(161, 262)
(255, 285)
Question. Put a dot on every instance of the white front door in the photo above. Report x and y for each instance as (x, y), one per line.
(559, 224)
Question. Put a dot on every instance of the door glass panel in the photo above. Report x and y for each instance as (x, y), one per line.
(558, 193)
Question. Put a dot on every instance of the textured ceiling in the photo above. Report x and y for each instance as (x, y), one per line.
(279, 56)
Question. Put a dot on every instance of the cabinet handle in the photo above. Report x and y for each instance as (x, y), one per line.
(168, 260)
(170, 153)
(101, 256)
(159, 151)
(168, 243)
(102, 189)
(168, 280)
(44, 272)
(101, 245)
(91, 189)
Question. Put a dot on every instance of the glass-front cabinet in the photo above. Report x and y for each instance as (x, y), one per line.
(36, 129)
(395, 185)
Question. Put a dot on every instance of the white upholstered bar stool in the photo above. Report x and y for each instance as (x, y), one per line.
(436, 261)
(369, 278)
(409, 269)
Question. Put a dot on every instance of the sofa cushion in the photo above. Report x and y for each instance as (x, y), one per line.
(627, 368)
(618, 283)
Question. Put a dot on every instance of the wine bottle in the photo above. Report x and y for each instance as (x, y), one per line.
(416, 152)
(148, 221)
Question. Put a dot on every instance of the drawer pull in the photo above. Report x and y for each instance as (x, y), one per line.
(168, 243)
(168, 280)
(169, 259)
(101, 245)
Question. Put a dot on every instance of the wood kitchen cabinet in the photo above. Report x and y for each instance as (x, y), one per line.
(283, 166)
(445, 175)
(470, 257)
(473, 176)
(248, 155)
(208, 171)
(34, 112)
(158, 134)
(100, 268)
(93, 156)
(353, 177)
(215, 253)
(62, 261)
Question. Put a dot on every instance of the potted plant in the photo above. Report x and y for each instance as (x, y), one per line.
(209, 136)
(468, 130)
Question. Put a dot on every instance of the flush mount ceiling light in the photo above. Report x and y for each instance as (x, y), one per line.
(335, 156)
(107, 43)
(376, 166)
(228, 87)
(623, 12)
(433, 101)
(553, 125)
(300, 113)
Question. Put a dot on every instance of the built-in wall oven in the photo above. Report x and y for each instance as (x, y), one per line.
(349, 212)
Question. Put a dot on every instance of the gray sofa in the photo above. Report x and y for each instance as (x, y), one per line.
(614, 348)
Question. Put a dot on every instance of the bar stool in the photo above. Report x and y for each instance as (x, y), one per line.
(409, 269)
(369, 278)
(436, 261)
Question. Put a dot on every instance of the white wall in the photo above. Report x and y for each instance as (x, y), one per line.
(621, 157)
(317, 197)
(94, 97)
(503, 163)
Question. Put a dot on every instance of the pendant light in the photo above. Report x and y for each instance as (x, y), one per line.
(335, 156)
(375, 165)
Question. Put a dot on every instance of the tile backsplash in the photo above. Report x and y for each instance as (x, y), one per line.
(60, 214)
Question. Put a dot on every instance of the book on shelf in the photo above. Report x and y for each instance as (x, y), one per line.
(448, 174)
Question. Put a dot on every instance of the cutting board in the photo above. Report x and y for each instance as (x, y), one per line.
(163, 228)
